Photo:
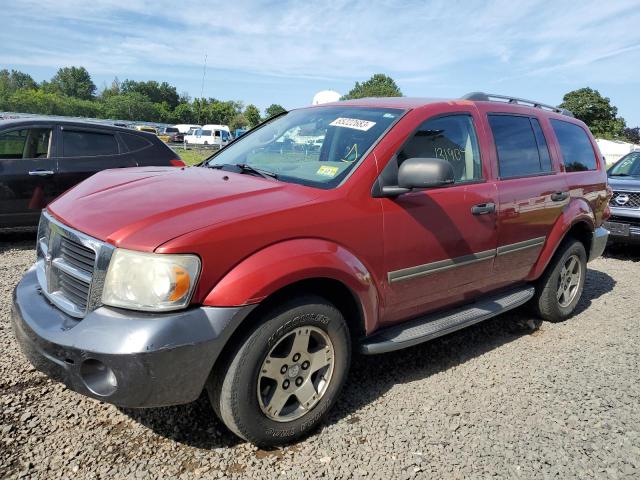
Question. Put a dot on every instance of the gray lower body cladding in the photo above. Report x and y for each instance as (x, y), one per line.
(127, 358)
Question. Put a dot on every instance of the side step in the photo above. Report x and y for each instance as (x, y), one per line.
(437, 324)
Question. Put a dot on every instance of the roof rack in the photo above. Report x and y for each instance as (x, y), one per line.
(490, 97)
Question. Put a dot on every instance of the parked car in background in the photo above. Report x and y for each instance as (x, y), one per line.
(42, 158)
(147, 128)
(211, 137)
(254, 275)
(172, 133)
(185, 128)
(238, 132)
(624, 180)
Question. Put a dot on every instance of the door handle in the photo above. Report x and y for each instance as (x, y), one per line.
(483, 208)
(559, 196)
(41, 173)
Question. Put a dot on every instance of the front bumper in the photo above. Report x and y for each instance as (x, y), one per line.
(624, 225)
(127, 358)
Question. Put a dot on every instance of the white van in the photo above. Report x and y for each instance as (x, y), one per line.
(208, 136)
(184, 128)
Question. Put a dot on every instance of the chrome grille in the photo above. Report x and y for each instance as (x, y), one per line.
(77, 255)
(625, 199)
(71, 266)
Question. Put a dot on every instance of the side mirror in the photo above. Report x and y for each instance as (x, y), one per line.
(425, 173)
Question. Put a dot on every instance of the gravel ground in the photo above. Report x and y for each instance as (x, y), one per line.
(560, 402)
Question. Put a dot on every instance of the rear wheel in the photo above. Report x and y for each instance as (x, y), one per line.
(560, 287)
(285, 375)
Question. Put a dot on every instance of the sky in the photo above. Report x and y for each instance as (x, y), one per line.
(265, 52)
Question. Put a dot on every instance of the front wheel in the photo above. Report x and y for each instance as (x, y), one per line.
(560, 287)
(285, 375)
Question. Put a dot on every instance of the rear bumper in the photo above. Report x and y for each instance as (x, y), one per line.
(122, 357)
(598, 242)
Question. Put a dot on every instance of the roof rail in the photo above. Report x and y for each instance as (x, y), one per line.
(490, 97)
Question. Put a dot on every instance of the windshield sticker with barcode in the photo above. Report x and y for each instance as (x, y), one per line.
(354, 123)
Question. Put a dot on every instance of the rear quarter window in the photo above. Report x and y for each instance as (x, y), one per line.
(134, 142)
(577, 152)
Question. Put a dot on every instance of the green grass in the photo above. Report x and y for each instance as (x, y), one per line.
(193, 156)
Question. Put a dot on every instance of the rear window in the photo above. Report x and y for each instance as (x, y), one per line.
(88, 144)
(576, 148)
(134, 142)
(171, 130)
(520, 151)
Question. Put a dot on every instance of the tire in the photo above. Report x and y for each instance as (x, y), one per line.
(243, 391)
(548, 302)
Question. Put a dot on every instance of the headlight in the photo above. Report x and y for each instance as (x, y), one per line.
(150, 281)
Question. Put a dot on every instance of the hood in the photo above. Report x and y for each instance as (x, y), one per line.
(142, 208)
(630, 184)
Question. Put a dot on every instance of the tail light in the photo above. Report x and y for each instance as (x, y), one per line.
(607, 210)
(176, 162)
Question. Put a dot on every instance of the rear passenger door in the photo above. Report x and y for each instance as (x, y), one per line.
(85, 151)
(532, 192)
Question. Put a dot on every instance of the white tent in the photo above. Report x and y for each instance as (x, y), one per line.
(613, 150)
(325, 96)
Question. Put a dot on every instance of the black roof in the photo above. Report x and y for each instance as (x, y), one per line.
(17, 122)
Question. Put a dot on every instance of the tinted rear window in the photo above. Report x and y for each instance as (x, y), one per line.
(517, 147)
(88, 144)
(577, 152)
(134, 142)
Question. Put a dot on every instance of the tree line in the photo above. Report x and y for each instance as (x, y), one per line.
(71, 92)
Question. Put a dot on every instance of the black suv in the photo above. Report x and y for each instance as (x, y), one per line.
(41, 158)
(624, 179)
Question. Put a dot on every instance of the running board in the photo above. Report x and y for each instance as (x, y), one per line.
(437, 324)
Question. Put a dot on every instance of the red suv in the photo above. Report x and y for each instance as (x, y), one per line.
(373, 224)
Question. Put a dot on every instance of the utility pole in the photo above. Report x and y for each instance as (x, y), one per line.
(204, 73)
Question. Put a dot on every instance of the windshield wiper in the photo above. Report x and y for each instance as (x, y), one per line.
(246, 168)
(619, 175)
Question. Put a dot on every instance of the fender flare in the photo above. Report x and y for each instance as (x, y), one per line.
(577, 211)
(285, 263)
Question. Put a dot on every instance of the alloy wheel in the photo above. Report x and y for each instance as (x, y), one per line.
(569, 281)
(295, 374)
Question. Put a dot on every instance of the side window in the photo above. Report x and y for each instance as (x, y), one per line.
(451, 138)
(77, 143)
(521, 152)
(225, 135)
(134, 142)
(26, 143)
(577, 152)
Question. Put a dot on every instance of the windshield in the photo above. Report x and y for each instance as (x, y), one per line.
(627, 166)
(313, 146)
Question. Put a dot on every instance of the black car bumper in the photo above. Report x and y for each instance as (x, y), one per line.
(122, 357)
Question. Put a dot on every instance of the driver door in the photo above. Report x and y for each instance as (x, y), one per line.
(439, 247)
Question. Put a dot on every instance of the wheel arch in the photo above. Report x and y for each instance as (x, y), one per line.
(578, 221)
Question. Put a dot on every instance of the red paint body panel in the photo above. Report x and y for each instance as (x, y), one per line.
(255, 236)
